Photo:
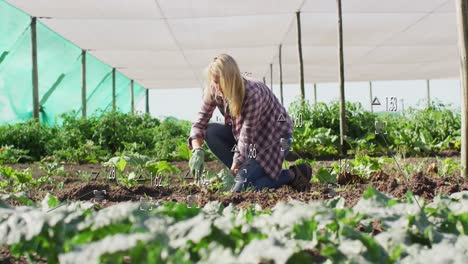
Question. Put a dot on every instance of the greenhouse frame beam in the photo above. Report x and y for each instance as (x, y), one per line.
(147, 101)
(315, 93)
(341, 79)
(83, 84)
(271, 76)
(462, 25)
(428, 93)
(299, 51)
(35, 73)
(114, 101)
(132, 94)
(370, 97)
(281, 74)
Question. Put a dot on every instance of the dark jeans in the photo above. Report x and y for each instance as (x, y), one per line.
(220, 140)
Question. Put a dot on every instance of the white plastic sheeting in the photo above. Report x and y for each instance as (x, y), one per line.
(167, 43)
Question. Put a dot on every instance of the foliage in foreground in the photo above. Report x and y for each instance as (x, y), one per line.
(175, 233)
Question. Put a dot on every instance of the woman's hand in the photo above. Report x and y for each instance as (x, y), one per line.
(234, 169)
(196, 143)
(196, 163)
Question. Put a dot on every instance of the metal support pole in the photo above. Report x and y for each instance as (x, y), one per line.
(299, 49)
(370, 97)
(315, 93)
(132, 92)
(341, 80)
(147, 101)
(114, 103)
(271, 76)
(428, 93)
(35, 73)
(281, 75)
(83, 84)
(462, 25)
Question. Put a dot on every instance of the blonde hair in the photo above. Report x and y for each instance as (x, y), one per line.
(225, 68)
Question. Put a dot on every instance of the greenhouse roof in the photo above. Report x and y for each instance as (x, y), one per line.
(167, 43)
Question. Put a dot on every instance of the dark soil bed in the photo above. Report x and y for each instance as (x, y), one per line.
(391, 181)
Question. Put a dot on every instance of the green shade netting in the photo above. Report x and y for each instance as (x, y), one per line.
(15, 65)
(122, 93)
(98, 85)
(138, 92)
(59, 68)
(59, 74)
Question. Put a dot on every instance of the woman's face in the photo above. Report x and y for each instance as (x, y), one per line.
(217, 85)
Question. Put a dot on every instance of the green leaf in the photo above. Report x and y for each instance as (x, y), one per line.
(50, 201)
(462, 223)
(121, 165)
(324, 176)
(305, 230)
(22, 198)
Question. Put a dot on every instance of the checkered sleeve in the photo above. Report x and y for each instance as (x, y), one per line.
(199, 125)
(251, 114)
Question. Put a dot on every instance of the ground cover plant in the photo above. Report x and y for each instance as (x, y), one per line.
(378, 229)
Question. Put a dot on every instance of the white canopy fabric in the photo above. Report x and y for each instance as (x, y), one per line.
(168, 43)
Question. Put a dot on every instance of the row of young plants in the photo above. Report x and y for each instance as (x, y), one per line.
(316, 135)
(133, 169)
(379, 229)
(416, 132)
(95, 139)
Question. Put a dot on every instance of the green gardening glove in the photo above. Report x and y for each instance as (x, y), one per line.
(227, 179)
(196, 163)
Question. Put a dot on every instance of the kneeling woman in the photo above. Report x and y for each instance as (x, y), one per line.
(256, 135)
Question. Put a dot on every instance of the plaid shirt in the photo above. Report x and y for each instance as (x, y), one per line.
(258, 130)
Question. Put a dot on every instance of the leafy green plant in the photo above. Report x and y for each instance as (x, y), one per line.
(449, 167)
(30, 136)
(366, 166)
(10, 154)
(323, 175)
(120, 164)
(20, 180)
(52, 168)
(162, 169)
(171, 135)
(176, 233)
